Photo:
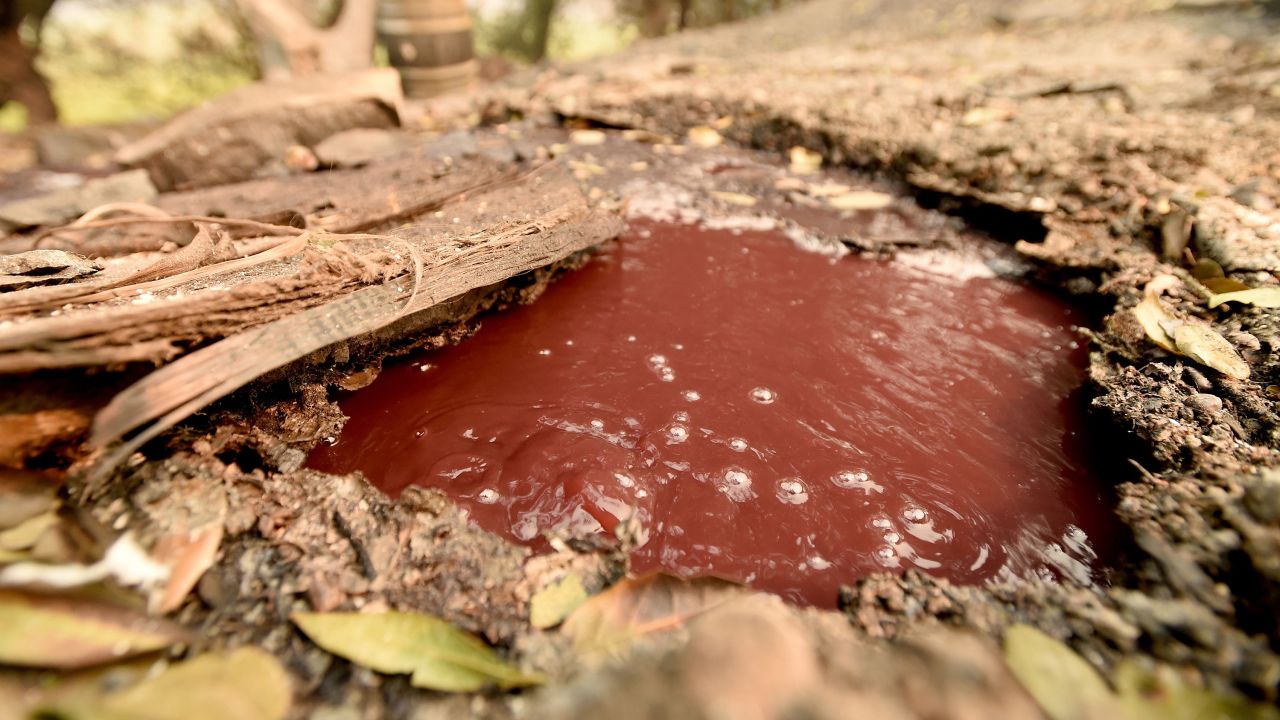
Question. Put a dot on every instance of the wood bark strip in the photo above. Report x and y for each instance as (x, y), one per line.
(169, 395)
(219, 299)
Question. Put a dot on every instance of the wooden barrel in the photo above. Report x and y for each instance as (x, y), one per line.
(429, 42)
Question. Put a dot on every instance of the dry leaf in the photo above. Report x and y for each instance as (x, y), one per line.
(1204, 345)
(985, 116)
(24, 496)
(552, 604)
(1266, 297)
(587, 137)
(187, 556)
(861, 200)
(637, 607)
(24, 535)
(241, 684)
(805, 161)
(1206, 269)
(734, 198)
(1152, 315)
(1065, 686)
(1223, 285)
(437, 654)
(1164, 695)
(48, 631)
(704, 137)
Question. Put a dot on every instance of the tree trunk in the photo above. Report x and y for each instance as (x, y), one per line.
(728, 10)
(345, 45)
(538, 15)
(21, 82)
(682, 21)
(655, 17)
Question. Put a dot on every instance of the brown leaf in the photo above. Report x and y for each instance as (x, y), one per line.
(1204, 345)
(188, 556)
(1221, 285)
(50, 631)
(23, 496)
(637, 607)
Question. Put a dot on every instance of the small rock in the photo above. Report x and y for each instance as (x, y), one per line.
(1206, 403)
(358, 146)
(299, 158)
(59, 206)
(43, 267)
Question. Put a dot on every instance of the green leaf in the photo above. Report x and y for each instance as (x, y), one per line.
(1204, 345)
(552, 604)
(1164, 696)
(1065, 686)
(49, 631)
(1266, 297)
(437, 654)
(241, 684)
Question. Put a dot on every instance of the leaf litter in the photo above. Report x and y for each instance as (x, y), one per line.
(1068, 688)
(1190, 339)
(436, 654)
(47, 631)
(634, 608)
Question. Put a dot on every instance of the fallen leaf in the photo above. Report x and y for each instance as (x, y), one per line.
(24, 496)
(637, 607)
(860, 200)
(985, 116)
(587, 137)
(804, 161)
(241, 684)
(438, 655)
(1206, 269)
(1223, 285)
(704, 137)
(1204, 345)
(1065, 686)
(48, 631)
(1152, 315)
(187, 556)
(551, 605)
(1266, 297)
(24, 535)
(734, 198)
(1162, 695)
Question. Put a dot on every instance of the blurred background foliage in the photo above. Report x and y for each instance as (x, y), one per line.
(114, 61)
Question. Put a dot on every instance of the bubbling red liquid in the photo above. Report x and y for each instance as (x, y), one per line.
(767, 414)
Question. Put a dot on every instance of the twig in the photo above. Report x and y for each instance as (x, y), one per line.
(116, 222)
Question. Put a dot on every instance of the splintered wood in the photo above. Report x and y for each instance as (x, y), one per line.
(224, 309)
